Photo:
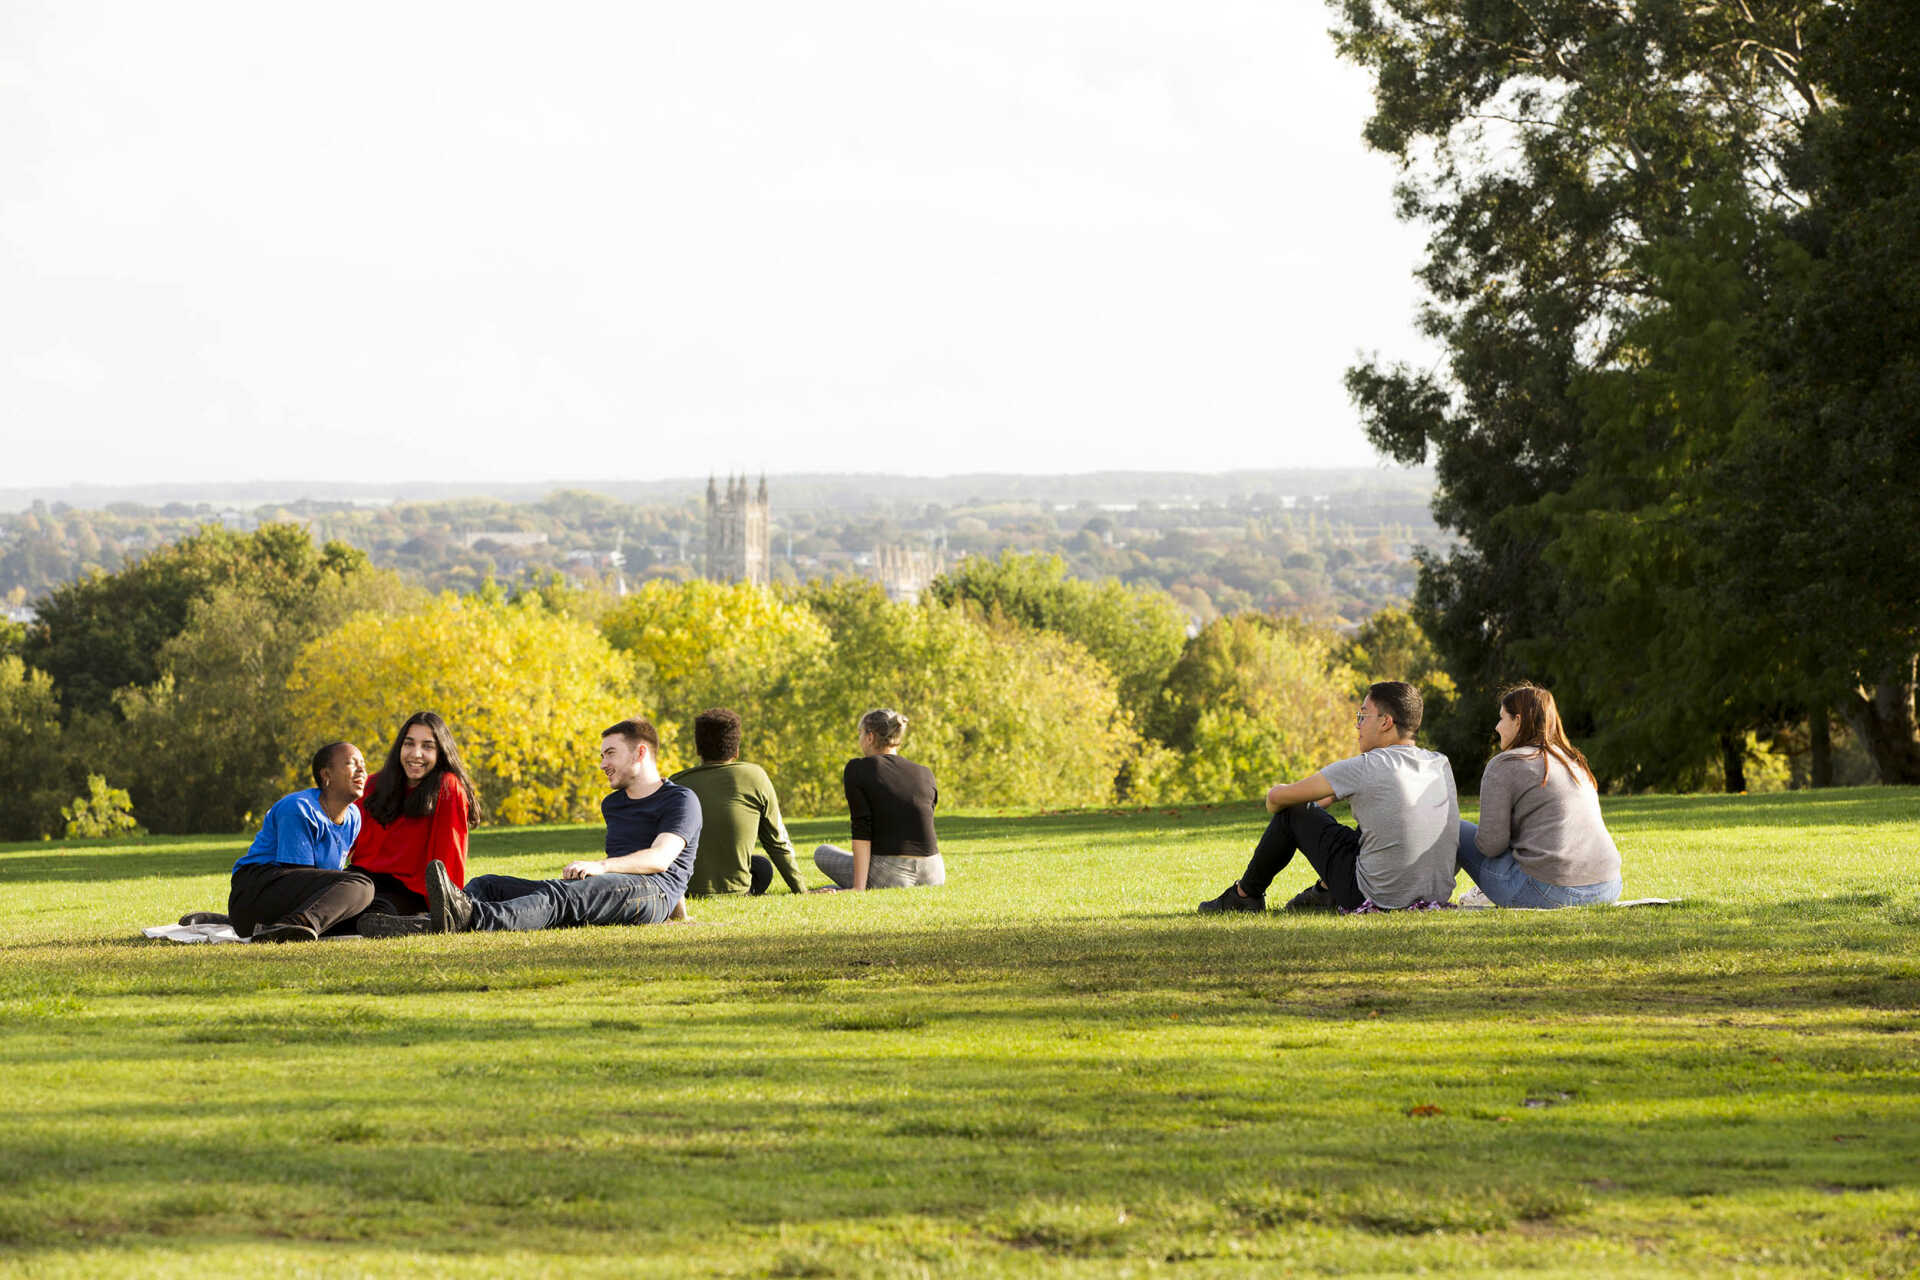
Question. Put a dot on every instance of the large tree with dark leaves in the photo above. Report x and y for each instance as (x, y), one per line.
(1553, 147)
(1827, 484)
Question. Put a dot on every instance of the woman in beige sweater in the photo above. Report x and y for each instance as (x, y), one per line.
(1540, 841)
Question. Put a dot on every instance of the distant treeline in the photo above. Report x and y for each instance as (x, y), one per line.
(1331, 546)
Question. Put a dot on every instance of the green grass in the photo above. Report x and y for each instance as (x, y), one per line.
(1049, 1067)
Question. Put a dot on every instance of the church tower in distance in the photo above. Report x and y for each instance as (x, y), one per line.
(737, 532)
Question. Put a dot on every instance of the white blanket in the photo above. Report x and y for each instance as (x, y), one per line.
(194, 933)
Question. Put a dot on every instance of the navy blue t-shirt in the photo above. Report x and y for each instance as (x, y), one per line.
(632, 825)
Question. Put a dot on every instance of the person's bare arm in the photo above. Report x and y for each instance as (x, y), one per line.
(653, 859)
(862, 861)
(1311, 789)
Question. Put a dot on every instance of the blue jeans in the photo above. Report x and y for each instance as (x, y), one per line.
(510, 903)
(1506, 885)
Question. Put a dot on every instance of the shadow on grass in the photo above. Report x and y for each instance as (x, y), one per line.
(123, 862)
(1846, 953)
(1840, 807)
(1183, 1121)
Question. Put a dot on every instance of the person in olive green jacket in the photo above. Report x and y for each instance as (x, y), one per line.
(740, 810)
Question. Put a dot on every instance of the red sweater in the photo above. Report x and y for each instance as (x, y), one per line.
(404, 848)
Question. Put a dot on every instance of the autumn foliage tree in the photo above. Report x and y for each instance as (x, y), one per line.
(701, 644)
(526, 692)
(1254, 700)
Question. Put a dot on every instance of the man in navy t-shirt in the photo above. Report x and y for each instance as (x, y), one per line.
(653, 832)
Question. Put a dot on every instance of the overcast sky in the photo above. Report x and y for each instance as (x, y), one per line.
(515, 242)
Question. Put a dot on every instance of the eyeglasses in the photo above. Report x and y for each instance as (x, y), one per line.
(1363, 718)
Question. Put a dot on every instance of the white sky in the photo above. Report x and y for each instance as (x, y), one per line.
(484, 242)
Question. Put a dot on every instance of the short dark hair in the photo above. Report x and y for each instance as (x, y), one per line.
(1399, 700)
(323, 760)
(636, 730)
(716, 734)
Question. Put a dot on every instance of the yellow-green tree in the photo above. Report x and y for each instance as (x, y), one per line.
(702, 644)
(1255, 700)
(1003, 714)
(36, 766)
(526, 692)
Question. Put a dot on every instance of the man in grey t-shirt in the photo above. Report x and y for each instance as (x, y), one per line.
(1403, 800)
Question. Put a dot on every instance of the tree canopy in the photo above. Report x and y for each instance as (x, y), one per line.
(1673, 277)
(105, 632)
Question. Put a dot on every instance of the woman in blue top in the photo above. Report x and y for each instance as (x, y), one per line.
(292, 885)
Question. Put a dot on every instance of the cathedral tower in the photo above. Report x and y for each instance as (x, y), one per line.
(737, 532)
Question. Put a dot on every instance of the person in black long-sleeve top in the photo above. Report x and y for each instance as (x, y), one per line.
(891, 801)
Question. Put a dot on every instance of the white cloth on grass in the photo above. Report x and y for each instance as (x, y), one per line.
(194, 933)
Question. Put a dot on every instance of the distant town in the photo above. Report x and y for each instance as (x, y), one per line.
(1334, 545)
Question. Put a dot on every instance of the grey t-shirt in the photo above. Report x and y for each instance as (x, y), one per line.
(1551, 826)
(1409, 818)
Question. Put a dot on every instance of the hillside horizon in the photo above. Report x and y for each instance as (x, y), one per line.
(837, 488)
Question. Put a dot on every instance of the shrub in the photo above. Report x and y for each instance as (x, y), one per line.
(103, 811)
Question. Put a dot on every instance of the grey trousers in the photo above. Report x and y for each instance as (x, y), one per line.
(884, 870)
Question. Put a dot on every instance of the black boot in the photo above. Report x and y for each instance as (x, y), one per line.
(449, 910)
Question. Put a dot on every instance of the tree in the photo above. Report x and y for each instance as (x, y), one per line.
(1003, 714)
(1254, 700)
(1825, 482)
(221, 710)
(525, 691)
(1136, 631)
(700, 644)
(105, 632)
(36, 773)
(1549, 147)
(1637, 535)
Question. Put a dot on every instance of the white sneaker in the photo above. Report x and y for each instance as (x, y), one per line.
(1473, 899)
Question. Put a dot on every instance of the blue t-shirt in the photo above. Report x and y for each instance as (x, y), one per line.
(633, 824)
(298, 833)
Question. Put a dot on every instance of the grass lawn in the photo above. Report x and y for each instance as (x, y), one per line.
(1049, 1067)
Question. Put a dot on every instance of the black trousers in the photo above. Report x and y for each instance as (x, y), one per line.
(1309, 830)
(274, 893)
(392, 897)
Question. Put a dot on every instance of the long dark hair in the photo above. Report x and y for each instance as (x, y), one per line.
(391, 797)
(1540, 728)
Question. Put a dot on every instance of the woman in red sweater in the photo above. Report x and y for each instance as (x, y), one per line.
(414, 811)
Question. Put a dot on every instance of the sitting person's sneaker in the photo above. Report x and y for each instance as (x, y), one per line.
(285, 931)
(380, 924)
(1234, 900)
(204, 917)
(1473, 899)
(1315, 897)
(449, 910)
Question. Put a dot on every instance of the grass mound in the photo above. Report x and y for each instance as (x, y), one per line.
(1050, 1066)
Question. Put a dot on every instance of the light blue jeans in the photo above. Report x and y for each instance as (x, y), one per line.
(1506, 885)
